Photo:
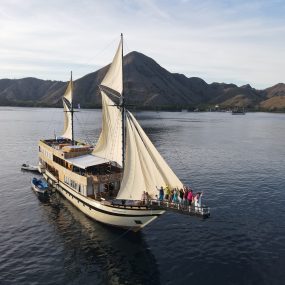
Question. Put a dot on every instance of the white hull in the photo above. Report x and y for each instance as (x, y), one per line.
(30, 168)
(129, 218)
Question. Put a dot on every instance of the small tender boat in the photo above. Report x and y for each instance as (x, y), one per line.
(29, 167)
(40, 186)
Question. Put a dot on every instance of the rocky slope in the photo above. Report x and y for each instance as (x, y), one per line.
(147, 85)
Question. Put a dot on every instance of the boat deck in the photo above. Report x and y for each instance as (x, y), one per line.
(203, 211)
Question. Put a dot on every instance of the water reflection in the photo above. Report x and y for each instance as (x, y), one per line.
(93, 251)
(237, 162)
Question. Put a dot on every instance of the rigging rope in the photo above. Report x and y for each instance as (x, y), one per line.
(87, 139)
(100, 52)
(52, 121)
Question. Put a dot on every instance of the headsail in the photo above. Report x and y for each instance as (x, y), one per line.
(145, 169)
(67, 105)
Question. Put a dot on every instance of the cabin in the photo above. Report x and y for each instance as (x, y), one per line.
(74, 165)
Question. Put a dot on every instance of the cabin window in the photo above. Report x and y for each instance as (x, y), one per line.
(76, 186)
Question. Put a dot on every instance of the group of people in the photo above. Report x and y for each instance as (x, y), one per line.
(183, 196)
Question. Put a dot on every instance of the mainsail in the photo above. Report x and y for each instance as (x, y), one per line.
(67, 106)
(109, 144)
(145, 169)
(113, 79)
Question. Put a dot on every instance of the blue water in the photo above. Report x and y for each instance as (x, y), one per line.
(237, 161)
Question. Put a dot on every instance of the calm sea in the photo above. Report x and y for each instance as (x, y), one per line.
(237, 161)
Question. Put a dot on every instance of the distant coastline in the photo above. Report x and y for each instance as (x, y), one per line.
(157, 108)
(148, 86)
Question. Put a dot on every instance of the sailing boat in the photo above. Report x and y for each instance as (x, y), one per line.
(106, 182)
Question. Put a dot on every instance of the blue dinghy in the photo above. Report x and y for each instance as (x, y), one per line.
(40, 186)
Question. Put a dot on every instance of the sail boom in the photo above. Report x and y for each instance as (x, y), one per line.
(110, 91)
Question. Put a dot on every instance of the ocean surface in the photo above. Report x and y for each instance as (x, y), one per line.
(237, 161)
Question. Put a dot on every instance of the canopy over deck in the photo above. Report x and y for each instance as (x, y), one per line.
(88, 160)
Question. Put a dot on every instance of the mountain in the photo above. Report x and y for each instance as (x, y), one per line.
(27, 91)
(147, 85)
(275, 98)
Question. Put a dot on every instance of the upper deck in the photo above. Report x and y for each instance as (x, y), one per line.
(65, 148)
(78, 158)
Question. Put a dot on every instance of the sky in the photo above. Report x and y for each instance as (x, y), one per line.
(241, 42)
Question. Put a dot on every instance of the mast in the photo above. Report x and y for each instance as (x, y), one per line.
(122, 103)
(71, 110)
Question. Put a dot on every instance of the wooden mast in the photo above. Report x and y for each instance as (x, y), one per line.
(122, 103)
(71, 110)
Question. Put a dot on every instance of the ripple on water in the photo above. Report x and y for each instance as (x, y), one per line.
(237, 162)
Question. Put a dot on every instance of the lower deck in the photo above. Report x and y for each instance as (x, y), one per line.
(132, 218)
(153, 205)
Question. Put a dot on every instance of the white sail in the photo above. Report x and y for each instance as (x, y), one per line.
(67, 106)
(114, 77)
(109, 145)
(145, 169)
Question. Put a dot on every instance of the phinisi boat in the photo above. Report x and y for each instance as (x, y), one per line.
(106, 182)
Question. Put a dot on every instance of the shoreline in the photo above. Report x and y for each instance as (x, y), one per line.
(157, 109)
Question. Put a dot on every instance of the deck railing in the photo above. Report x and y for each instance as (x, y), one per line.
(180, 207)
(202, 211)
(106, 178)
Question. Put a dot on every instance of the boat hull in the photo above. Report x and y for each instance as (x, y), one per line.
(123, 217)
(38, 191)
(30, 168)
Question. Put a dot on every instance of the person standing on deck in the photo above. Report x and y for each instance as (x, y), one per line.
(171, 197)
(143, 198)
(185, 196)
(161, 193)
(167, 193)
(198, 201)
(176, 194)
(147, 198)
(190, 197)
(181, 195)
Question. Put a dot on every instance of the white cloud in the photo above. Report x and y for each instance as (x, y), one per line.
(215, 40)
